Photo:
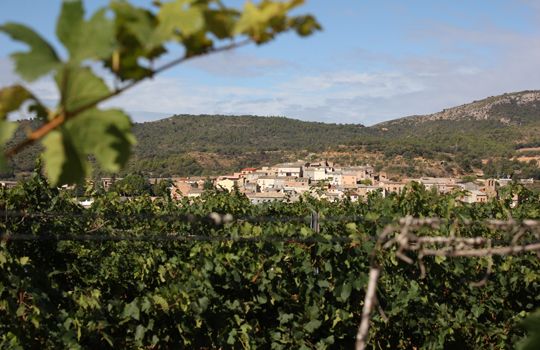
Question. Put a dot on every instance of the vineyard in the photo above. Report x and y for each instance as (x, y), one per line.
(155, 273)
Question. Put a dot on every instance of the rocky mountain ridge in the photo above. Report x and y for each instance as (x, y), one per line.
(485, 109)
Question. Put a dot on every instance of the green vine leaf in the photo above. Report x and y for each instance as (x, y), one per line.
(134, 29)
(221, 23)
(71, 15)
(11, 99)
(62, 163)
(79, 86)
(40, 60)
(305, 25)
(92, 39)
(179, 17)
(138, 21)
(106, 134)
(263, 20)
(7, 129)
(532, 324)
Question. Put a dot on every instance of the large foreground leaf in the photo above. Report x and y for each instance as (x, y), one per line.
(79, 86)
(63, 164)
(92, 39)
(40, 60)
(105, 134)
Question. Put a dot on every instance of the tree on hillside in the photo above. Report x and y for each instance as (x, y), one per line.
(127, 40)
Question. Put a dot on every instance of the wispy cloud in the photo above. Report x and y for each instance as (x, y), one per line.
(7, 75)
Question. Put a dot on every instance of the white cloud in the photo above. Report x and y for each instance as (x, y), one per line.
(7, 76)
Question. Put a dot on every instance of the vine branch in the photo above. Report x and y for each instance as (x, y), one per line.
(60, 117)
(451, 246)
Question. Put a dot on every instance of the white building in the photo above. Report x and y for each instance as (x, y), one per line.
(289, 169)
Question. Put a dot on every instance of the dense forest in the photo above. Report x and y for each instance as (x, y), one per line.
(154, 273)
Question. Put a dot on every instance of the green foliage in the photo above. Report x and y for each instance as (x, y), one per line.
(92, 39)
(132, 185)
(532, 324)
(40, 60)
(277, 293)
(162, 189)
(125, 39)
(7, 129)
(511, 168)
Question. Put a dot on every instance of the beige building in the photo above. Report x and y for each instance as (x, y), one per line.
(184, 188)
(392, 186)
(289, 169)
(441, 184)
(299, 185)
(349, 180)
(335, 178)
(364, 190)
(229, 182)
(474, 196)
(266, 197)
(266, 183)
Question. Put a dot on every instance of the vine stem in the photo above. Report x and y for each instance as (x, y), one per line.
(62, 116)
(369, 302)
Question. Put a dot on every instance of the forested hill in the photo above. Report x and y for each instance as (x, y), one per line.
(213, 144)
(233, 134)
(451, 142)
(456, 141)
(488, 127)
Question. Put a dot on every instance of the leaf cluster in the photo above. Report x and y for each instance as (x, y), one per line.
(126, 40)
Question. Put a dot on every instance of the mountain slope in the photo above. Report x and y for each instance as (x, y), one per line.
(516, 108)
(229, 134)
(204, 144)
(493, 127)
(455, 141)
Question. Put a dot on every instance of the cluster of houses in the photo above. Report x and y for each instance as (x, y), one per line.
(324, 179)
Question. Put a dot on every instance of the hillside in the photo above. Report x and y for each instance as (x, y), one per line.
(491, 128)
(204, 144)
(456, 141)
(231, 134)
(516, 108)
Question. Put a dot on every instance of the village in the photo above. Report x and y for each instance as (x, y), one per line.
(287, 182)
(326, 180)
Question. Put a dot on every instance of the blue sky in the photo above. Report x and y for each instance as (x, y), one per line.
(375, 60)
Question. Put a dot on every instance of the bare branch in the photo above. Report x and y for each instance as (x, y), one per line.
(451, 246)
(369, 301)
(485, 252)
